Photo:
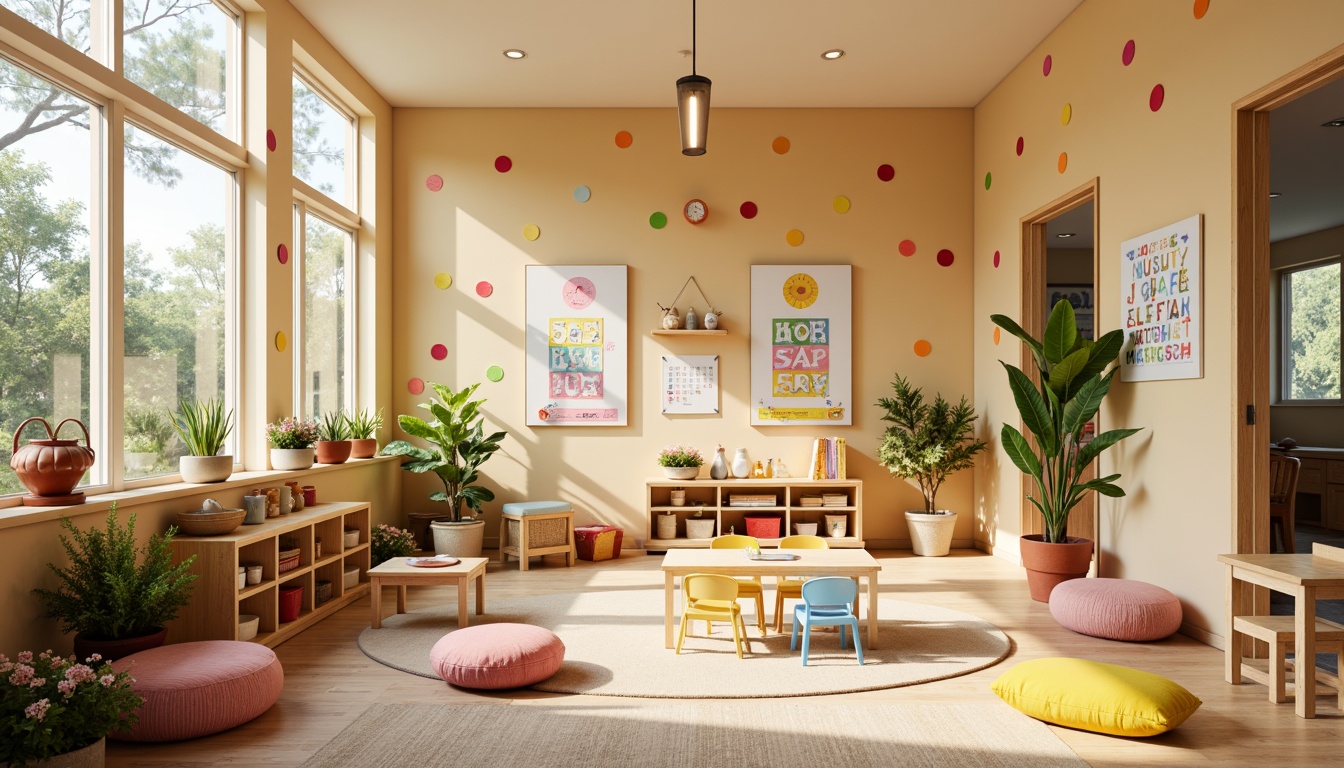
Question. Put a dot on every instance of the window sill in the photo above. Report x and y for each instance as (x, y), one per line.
(21, 515)
(1308, 404)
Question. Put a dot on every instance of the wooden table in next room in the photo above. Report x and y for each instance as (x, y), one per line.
(397, 572)
(854, 563)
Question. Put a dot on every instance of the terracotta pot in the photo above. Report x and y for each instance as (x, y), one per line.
(332, 451)
(363, 449)
(51, 467)
(111, 650)
(1051, 564)
(92, 756)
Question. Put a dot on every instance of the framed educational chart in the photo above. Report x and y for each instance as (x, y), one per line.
(1160, 303)
(577, 350)
(800, 345)
(690, 384)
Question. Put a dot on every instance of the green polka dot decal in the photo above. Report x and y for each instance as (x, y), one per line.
(494, 373)
(658, 220)
(989, 179)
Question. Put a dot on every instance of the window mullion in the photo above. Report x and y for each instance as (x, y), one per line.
(300, 302)
(111, 326)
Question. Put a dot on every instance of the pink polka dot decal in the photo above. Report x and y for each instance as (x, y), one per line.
(1021, 145)
(270, 140)
(282, 253)
(886, 172)
(945, 258)
(1127, 54)
(1046, 66)
(503, 163)
(996, 259)
(1156, 98)
(484, 289)
(748, 210)
(415, 386)
(438, 351)
(434, 183)
(907, 247)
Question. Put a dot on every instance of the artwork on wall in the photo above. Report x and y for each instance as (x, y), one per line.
(800, 345)
(577, 349)
(1160, 311)
(1081, 297)
(690, 384)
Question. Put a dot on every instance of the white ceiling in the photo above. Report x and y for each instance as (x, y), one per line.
(626, 53)
(1306, 164)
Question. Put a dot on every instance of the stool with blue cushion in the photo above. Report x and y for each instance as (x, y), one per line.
(828, 601)
(529, 528)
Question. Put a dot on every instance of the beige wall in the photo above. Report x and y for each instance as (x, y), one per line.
(1155, 168)
(472, 229)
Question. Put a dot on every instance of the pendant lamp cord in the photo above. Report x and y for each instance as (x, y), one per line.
(693, 37)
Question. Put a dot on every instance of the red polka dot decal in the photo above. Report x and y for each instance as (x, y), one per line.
(1021, 145)
(1127, 55)
(624, 139)
(270, 140)
(748, 210)
(434, 183)
(996, 259)
(503, 163)
(438, 351)
(907, 247)
(886, 172)
(484, 289)
(1156, 98)
(415, 386)
(1046, 66)
(945, 258)
(282, 253)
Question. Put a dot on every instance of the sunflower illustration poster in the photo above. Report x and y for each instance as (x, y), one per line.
(801, 345)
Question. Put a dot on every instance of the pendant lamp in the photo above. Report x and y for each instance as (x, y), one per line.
(693, 104)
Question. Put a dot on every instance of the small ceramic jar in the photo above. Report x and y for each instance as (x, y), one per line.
(272, 502)
(309, 495)
(295, 496)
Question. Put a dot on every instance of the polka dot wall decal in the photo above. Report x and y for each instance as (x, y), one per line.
(886, 172)
(1066, 115)
(1063, 161)
(624, 139)
(996, 259)
(989, 179)
(531, 232)
(923, 348)
(794, 237)
(415, 386)
(582, 194)
(996, 335)
(494, 373)
(945, 258)
(280, 341)
(1201, 8)
(841, 204)
(1021, 145)
(1046, 66)
(1156, 98)
(1127, 53)
(748, 210)
(503, 164)
(434, 183)
(907, 247)
(780, 145)
(658, 220)
(438, 351)
(443, 280)
(484, 289)
(270, 140)
(282, 253)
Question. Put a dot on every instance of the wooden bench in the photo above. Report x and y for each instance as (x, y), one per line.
(1279, 633)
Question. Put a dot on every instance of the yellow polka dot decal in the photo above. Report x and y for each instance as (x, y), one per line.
(443, 280)
(794, 237)
(531, 232)
(841, 204)
(1066, 115)
(280, 341)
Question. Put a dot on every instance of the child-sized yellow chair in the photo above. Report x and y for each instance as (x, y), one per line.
(712, 597)
(792, 586)
(747, 586)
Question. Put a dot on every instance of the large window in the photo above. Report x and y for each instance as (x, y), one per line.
(323, 138)
(179, 50)
(1310, 338)
(325, 348)
(70, 20)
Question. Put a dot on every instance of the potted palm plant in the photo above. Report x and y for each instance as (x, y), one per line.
(333, 438)
(364, 425)
(927, 442)
(203, 427)
(1074, 380)
(459, 448)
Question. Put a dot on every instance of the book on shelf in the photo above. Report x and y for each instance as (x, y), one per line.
(834, 500)
(828, 459)
(809, 500)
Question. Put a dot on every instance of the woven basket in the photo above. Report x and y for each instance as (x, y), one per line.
(289, 560)
(541, 533)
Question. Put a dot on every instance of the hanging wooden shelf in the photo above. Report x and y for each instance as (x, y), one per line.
(684, 332)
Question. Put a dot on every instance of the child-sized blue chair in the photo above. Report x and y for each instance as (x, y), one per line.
(827, 602)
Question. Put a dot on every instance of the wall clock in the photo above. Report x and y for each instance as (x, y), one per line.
(696, 211)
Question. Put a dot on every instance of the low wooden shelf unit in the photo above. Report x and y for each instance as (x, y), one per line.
(710, 498)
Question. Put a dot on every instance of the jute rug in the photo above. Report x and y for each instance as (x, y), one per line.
(614, 647)
(746, 735)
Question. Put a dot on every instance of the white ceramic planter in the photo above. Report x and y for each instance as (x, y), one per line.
(205, 469)
(291, 458)
(458, 539)
(681, 473)
(931, 535)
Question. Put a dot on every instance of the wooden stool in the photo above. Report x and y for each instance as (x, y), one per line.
(530, 528)
(1279, 633)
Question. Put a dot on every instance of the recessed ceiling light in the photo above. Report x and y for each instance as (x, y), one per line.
(1066, 234)
(833, 54)
(516, 53)
(1275, 194)
(1338, 122)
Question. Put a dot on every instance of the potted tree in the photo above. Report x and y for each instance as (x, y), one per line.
(927, 442)
(333, 438)
(203, 427)
(460, 447)
(1074, 380)
(115, 596)
(364, 426)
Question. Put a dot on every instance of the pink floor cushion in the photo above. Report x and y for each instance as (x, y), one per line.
(495, 656)
(196, 689)
(1116, 609)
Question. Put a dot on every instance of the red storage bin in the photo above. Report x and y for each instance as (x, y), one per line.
(291, 602)
(763, 526)
(598, 542)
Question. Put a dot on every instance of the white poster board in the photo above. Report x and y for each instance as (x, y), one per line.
(1160, 303)
(800, 345)
(690, 384)
(577, 347)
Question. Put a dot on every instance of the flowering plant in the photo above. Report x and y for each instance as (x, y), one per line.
(292, 432)
(680, 456)
(50, 705)
(389, 541)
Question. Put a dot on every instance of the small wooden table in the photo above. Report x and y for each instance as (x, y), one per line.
(854, 563)
(1308, 578)
(396, 572)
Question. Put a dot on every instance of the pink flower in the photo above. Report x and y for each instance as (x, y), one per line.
(67, 687)
(22, 674)
(38, 709)
(79, 673)
(107, 680)
(38, 682)
(25, 656)
(96, 657)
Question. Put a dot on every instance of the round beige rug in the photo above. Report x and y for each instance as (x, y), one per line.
(614, 647)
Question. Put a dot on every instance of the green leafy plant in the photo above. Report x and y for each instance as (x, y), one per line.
(113, 589)
(927, 441)
(364, 423)
(460, 447)
(389, 541)
(333, 427)
(51, 705)
(140, 444)
(202, 425)
(292, 432)
(147, 429)
(680, 456)
(1074, 381)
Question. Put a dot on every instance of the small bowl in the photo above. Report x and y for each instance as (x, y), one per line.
(210, 523)
(247, 626)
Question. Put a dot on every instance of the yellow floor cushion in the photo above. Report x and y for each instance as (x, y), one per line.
(1093, 696)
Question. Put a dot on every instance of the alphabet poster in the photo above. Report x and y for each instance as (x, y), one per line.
(577, 350)
(690, 384)
(1160, 311)
(800, 345)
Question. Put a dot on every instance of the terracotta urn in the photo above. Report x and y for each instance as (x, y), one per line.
(1050, 564)
(51, 468)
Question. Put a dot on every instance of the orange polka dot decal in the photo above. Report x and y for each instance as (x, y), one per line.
(1201, 8)
(996, 335)
(780, 145)
(923, 348)
(794, 237)
(1063, 161)
(624, 139)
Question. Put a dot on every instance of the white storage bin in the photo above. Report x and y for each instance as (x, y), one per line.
(351, 576)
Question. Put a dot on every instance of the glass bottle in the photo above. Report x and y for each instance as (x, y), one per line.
(758, 471)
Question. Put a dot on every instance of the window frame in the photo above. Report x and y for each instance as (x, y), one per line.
(1284, 335)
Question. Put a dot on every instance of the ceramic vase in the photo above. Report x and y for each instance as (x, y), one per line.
(692, 320)
(718, 470)
(741, 464)
(51, 467)
(711, 320)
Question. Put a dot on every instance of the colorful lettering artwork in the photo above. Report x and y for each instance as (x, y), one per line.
(690, 384)
(800, 345)
(577, 357)
(1160, 310)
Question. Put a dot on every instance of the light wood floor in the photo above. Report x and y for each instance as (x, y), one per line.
(329, 682)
